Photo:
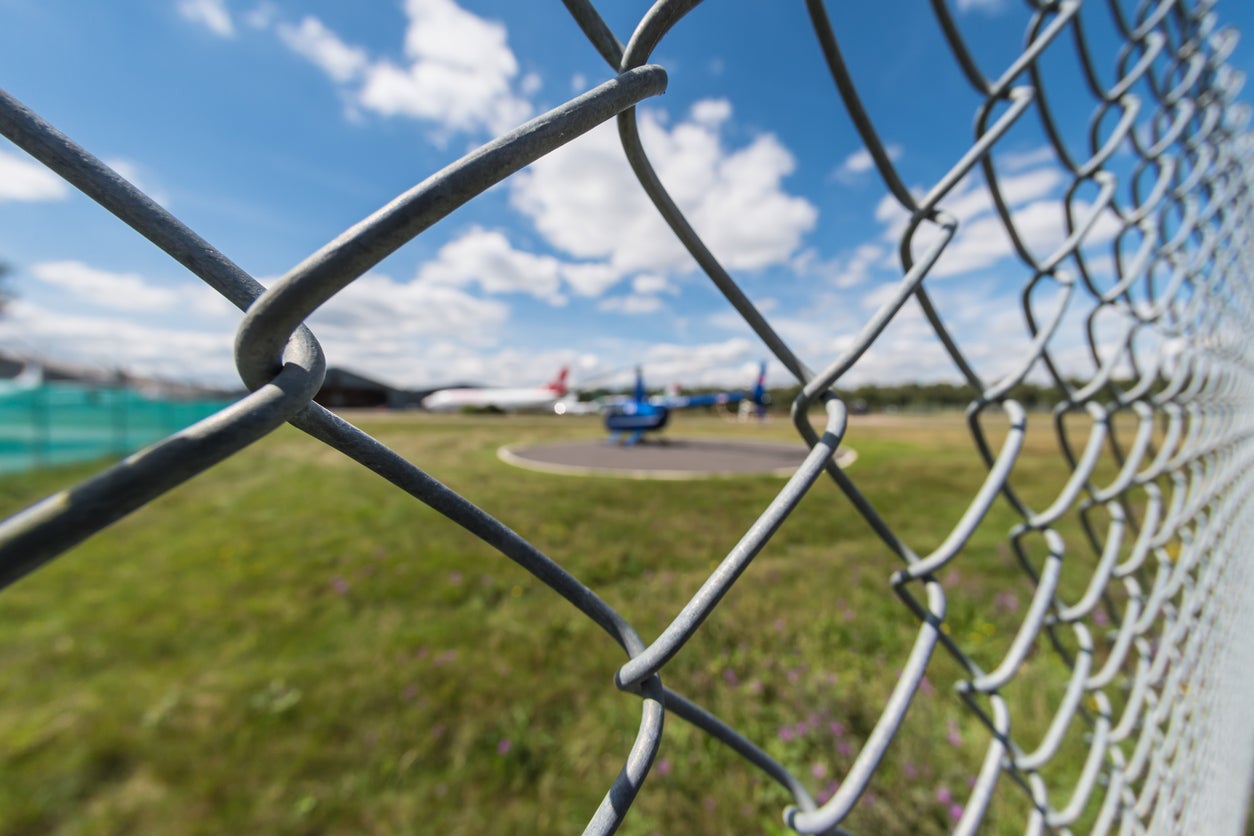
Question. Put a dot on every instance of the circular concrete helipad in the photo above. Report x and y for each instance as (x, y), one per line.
(671, 458)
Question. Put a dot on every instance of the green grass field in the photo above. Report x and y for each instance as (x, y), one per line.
(287, 644)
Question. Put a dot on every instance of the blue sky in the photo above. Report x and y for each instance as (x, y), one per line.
(269, 127)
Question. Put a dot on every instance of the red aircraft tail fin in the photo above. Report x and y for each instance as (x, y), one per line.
(558, 384)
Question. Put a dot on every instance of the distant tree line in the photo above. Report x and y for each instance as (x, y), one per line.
(925, 396)
(905, 397)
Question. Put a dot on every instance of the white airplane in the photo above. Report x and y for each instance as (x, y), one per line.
(541, 398)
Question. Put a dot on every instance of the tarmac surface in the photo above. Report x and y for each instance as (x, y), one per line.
(667, 458)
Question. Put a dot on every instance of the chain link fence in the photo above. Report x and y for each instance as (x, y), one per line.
(1161, 483)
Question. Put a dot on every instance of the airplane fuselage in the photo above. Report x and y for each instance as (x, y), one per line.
(513, 399)
(507, 400)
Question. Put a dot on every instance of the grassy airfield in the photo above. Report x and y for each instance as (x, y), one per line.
(287, 644)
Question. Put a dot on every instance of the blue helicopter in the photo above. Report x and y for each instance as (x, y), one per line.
(629, 419)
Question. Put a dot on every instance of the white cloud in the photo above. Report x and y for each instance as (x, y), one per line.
(376, 309)
(846, 270)
(652, 283)
(262, 16)
(120, 342)
(732, 362)
(982, 313)
(531, 84)
(1034, 194)
(212, 14)
(711, 112)
(442, 31)
(1040, 225)
(448, 362)
(131, 292)
(974, 199)
(590, 278)
(487, 259)
(889, 212)
(314, 41)
(23, 179)
(455, 97)
(727, 364)
(119, 291)
(1019, 160)
(414, 335)
(988, 329)
(986, 6)
(631, 304)
(876, 296)
(459, 71)
(970, 198)
(586, 202)
(860, 162)
(984, 318)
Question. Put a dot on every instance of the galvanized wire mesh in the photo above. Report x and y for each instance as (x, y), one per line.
(1160, 484)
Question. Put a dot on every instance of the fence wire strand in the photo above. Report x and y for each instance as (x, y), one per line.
(1169, 398)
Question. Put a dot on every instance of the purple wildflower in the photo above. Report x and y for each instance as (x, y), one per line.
(952, 734)
(1006, 601)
